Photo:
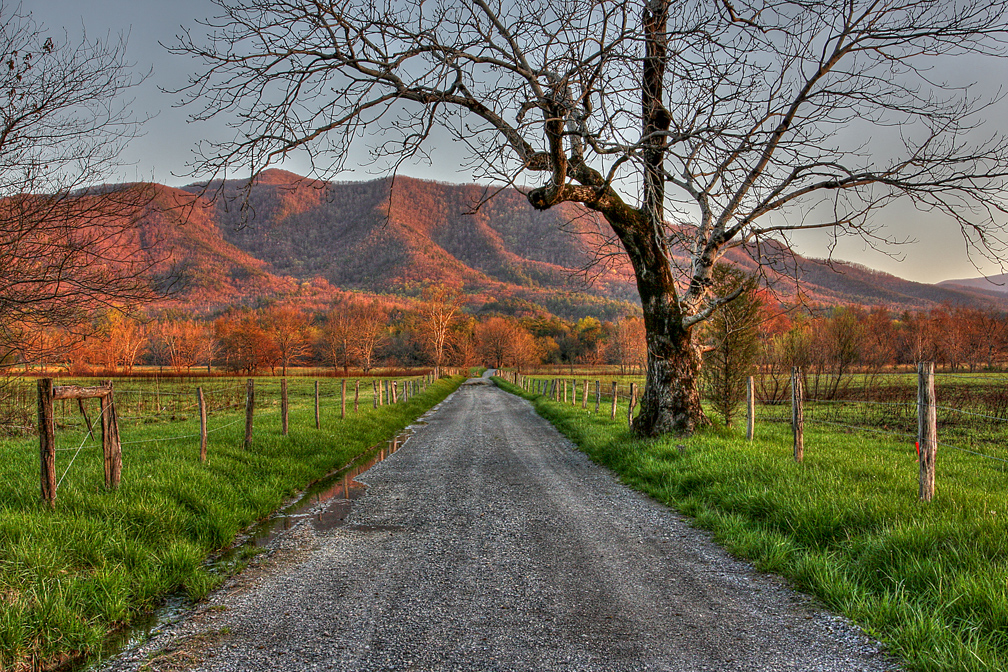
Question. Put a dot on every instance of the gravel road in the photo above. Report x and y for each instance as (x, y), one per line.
(489, 543)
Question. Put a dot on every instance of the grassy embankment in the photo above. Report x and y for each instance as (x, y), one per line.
(929, 580)
(100, 558)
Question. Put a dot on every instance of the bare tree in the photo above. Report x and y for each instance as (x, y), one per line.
(69, 246)
(438, 311)
(370, 321)
(718, 125)
(287, 327)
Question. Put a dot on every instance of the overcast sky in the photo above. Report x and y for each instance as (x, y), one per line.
(166, 146)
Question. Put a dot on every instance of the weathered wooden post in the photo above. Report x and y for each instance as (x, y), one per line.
(395, 391)
(249, 407)
(342, 412)
(584, 396)
(630, 406)
(283, 406)
(614, 395)
(318, 414)
(564, 383)
(47, 440)
(374, 393)
(574, 392)
(356, 395)
(598, 395)
(797, 414)
(927, 430)
(111, 446)
(750, 409)
(202, 424)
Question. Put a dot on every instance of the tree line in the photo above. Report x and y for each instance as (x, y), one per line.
(356, 333)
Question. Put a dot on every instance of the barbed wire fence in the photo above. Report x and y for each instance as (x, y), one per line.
(150, 408)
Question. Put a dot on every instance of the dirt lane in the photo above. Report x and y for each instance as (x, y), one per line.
(488, 542)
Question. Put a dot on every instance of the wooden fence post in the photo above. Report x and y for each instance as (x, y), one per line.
(47, 440)
(598, 395)
(927, 431)
(374, 393)
(633, 402)
(202, 424)
(318, 414)
(750, 408)
(614, 395)
(584, 396)
(356, 395)
(797, 414)
(342, 413)
(111, 446)
(574, 392)
(249, 408)
(395, 391)
(283, 406)
(564, 383)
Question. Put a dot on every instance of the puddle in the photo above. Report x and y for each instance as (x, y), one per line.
(326, 504)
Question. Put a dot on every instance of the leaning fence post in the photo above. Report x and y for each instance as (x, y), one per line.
(249, 406)
(927, 431)
(750, 408)
(630, 406)
(797, 414)
(202, 424)
(318, 416)
(47, 440)
(342, 413)
(111, 447)
(614, 394)
(283, 406)
(598, 395)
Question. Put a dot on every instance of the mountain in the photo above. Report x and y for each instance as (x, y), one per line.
(288, 237)
(996, 284)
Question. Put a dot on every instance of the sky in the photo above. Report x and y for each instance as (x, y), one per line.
(161, 154)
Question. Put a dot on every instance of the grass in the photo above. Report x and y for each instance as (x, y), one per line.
(101, 558)
(929, 580)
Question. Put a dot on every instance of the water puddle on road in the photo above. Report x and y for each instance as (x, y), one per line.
(326, 504)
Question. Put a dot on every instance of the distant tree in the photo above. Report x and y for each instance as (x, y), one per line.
(731, 341)
(181, 342)
(440, 307)
(287, 327)
(337, 337)
(68, 245)
(244, 344)
(370, 326)
(503, 341)
(628, 346)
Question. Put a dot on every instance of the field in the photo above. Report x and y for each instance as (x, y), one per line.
(929, 580)
(101, 558)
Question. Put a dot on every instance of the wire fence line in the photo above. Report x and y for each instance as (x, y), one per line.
(981, 424)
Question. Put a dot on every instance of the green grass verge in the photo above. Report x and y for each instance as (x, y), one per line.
(100, 558)
(929, 580)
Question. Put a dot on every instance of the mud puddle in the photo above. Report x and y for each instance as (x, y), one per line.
(326, 504)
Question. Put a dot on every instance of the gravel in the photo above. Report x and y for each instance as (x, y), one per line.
(488, 542)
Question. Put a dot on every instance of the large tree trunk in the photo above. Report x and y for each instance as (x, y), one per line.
(671, 399)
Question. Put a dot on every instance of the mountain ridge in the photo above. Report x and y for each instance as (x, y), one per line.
(288, 236)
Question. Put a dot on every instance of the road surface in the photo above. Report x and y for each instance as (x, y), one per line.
(489, 543)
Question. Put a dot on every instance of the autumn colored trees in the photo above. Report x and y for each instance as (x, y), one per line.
(363, 332)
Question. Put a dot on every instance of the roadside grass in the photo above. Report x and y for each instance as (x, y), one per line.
(929, 580)
(69, 576)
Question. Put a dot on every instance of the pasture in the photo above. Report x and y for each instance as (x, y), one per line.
(99, 559)
(845, 525)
